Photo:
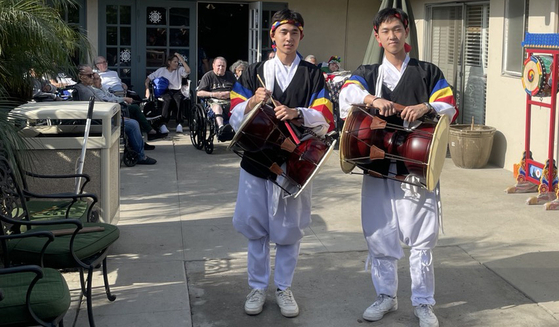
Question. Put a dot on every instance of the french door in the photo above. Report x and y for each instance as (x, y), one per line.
(136, 36)
(260, 21)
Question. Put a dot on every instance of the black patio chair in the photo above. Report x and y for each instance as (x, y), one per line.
(79, 243)
(31, 295)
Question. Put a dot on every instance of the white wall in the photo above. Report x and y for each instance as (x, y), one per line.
(506, 98)
(92, 21)
(329, 31)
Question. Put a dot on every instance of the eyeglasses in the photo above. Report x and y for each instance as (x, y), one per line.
(88, 75)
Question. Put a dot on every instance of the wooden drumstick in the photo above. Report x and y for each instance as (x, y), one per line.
(287, 124)
(264, 86)
(396, 106)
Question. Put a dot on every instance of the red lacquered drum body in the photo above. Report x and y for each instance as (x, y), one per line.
(260, 130)
(423, 149)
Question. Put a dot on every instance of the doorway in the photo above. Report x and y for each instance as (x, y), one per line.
(222, 31)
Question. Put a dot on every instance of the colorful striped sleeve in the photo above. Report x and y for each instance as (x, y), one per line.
(321, 101)
(442, 92)
(356, 80)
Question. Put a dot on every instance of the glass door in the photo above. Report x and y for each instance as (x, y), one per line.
(117, 38)
(166, 27)
(260, 15)
(137, 36)
(255, 32)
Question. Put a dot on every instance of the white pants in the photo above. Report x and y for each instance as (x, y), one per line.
(389, 219)
(258, 263)
(263, 216)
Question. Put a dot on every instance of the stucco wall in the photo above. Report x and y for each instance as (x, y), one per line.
(92, 20)
(328, 31)
(505, 101)
(506, 98)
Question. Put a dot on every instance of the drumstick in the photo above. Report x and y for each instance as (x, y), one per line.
(287, 124)
(398, 107)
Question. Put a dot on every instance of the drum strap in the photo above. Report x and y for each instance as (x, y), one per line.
(274, 168)
(380, 78)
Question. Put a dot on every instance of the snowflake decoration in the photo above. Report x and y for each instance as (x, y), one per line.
(125, 55)
(155, 17)
(185, 59)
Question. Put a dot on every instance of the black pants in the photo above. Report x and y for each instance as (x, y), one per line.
(168, 97)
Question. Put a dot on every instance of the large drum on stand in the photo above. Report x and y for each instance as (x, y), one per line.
(304, 154)
(366, 137)
(536, 76)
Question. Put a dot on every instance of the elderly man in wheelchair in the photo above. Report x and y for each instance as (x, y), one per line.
(215, 87)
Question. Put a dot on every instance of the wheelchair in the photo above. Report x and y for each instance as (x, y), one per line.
(203, 126)
(152, 106)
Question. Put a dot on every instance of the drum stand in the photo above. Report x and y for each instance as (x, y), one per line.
(531, 175)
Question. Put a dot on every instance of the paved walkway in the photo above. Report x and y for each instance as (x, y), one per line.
(179, 261)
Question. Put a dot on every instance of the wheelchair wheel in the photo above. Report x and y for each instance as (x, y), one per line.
(130, 158)
(209, 146)
(198, 127)
(210, 133)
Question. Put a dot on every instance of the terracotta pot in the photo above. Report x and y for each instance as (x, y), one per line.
(471, 147)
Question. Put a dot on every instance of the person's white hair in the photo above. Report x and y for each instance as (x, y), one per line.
(238, 63)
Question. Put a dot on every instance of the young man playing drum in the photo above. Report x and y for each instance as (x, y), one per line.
(390, 215)
(262, 213)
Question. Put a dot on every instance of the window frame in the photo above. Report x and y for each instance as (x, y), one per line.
(507, 45)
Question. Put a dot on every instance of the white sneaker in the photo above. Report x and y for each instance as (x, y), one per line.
(179, 128)
(382, 305)
(426, 316)
(287, 303)
(163, 129)
(255, 301)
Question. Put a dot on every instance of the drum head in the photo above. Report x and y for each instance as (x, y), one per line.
(347, 166)
(317, 169)
(534, 75)
(437, 153)
(246, 122)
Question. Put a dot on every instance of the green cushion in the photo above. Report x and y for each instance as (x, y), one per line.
(50, 297)
(57, 255)
(55, 209)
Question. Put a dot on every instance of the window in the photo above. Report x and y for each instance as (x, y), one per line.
(458, 45)
(516, 25)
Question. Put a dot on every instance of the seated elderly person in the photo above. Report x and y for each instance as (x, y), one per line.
(174, 74)
(86, 90)
(311, 58)
(238, 67)
(131, 110)
(333, 65)
(111, 81)
(216, 85)
(109, 78)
